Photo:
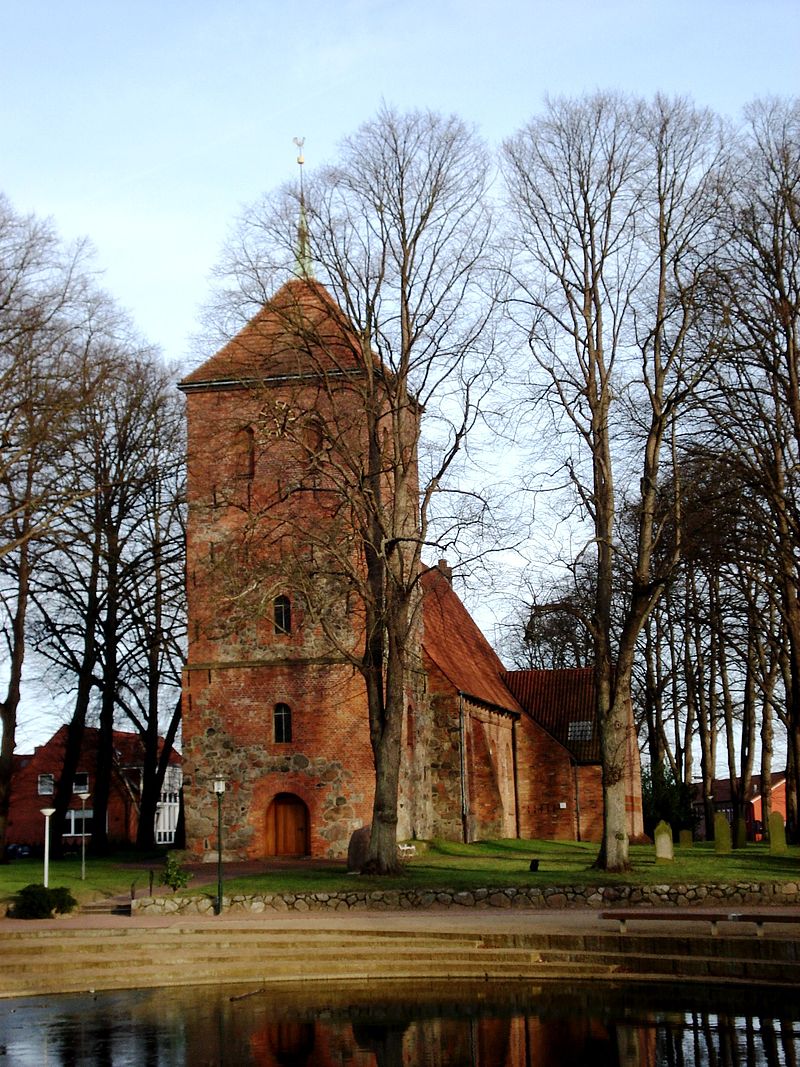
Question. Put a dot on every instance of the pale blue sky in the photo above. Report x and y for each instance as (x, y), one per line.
(146, 125)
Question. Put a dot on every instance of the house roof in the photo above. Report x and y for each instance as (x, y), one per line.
(555, 700)
(128, 747)
(458, 648)
(300, 331)
(721, 788)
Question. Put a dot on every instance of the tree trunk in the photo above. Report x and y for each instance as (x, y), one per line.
(9, 706)
(105, 741)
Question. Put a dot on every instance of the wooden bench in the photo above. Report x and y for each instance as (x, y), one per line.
(407, 850)
(673, 915)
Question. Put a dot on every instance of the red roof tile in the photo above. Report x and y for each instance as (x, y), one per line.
(458, 648)
(721, 787)
(555, 699)
(301, 330)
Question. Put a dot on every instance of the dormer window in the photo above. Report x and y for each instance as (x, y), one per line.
(580, 730)
(282, 615)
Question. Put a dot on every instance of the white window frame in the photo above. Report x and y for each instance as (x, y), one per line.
(42, 782)
(74, 815)
(580, 730)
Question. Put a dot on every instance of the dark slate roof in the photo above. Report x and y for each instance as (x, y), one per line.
(299, 331)
(555, 700)
(454, 643)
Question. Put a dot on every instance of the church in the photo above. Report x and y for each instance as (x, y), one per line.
(272, 705)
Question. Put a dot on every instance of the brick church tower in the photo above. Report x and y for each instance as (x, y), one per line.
(274, 702)
(272, 705)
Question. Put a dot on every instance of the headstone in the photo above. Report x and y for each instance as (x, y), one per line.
(665, 852)
(685, 838)
(358, 848)
(740, 833)
(777, 834)
(722, 833)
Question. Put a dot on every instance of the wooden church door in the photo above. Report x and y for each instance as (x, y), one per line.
(287, 826)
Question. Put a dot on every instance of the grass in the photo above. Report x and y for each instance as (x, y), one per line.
(440, 864)
(448, 864)
(107, 877)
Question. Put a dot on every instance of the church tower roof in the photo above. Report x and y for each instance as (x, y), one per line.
(300, 332)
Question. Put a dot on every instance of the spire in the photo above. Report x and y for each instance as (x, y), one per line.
(303, 255)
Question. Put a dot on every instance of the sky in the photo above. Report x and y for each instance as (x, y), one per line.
(147, 126)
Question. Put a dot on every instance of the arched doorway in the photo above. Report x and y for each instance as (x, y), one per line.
(287, 826)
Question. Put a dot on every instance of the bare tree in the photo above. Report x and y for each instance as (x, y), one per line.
(755, 410)
(397, 232)
(109, 598)
(50, 313)
(612, 202)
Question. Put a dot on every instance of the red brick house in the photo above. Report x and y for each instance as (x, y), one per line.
(34, 780)
(753, 817)
(271, 707)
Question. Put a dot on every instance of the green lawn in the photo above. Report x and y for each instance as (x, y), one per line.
(104, 877)
(440, 864)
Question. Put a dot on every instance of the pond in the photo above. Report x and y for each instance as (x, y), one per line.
(388, 1025)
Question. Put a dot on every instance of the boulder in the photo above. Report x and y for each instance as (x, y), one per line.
(357, 849)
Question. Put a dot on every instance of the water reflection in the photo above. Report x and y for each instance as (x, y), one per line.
(389, 1025)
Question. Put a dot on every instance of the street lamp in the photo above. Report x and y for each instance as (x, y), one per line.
(219, 789)
(47, 812)
(84, 797)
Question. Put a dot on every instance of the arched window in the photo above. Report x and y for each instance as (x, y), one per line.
(282, 720)
(282, 615)
(244, 453)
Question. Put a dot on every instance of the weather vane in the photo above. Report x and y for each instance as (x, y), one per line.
(300, 141)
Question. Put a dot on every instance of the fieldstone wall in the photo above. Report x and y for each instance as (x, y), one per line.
(710, 896)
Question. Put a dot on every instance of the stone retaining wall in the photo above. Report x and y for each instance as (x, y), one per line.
(751, 893)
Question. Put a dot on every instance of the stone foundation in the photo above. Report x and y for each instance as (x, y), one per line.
(711, 896)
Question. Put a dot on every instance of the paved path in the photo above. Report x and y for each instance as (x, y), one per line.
(546, 920)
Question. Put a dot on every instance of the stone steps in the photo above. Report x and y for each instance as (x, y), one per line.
(112, 906)
(130, 957)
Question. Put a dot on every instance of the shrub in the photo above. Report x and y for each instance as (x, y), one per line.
(664, 797)
(38, 902)
(174, 874)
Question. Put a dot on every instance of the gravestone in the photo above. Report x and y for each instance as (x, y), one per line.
(665, 852)
(685, 838)
(741, 833)
(777, 834)
(722, 833)
(357, 849)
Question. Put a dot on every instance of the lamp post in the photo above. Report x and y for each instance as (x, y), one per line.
(219, 789)
(84, 797)
(47, 812)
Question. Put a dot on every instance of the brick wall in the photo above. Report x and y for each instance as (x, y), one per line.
(229, 733)
(26, 822)
(546, 785)
(253, 495)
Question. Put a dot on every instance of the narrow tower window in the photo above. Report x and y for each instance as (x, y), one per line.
(282, 719)
(282, 609)
(245, 453)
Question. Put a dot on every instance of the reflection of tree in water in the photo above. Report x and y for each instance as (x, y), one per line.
(706, 1039)
(552, 1026)
(385, 1042)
